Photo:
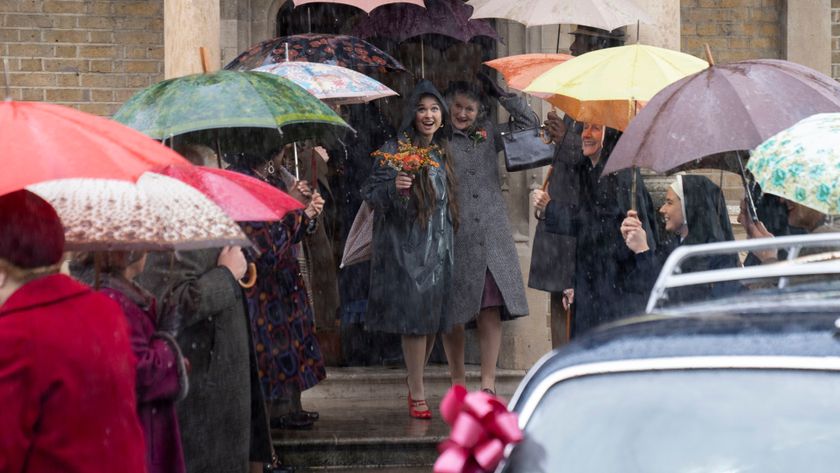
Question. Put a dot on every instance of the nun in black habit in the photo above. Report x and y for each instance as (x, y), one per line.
(603, 263)
(695, 213)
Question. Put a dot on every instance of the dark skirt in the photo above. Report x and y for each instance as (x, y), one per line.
(492, 296)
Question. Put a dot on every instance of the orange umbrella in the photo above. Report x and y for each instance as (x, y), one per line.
(521, 69)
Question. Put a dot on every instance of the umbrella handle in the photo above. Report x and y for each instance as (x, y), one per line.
(252, 277)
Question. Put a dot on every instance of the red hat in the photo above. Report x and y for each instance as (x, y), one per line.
(31, 234)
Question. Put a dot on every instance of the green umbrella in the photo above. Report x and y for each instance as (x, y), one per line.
(227, 99)
(802, 163)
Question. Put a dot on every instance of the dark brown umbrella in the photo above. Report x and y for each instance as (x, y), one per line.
(719, 111)
(401, 21)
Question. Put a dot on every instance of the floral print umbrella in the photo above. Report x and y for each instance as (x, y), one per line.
(802, 163)
(156, 213)
(227, 99)
(337, 50)
(332, 84)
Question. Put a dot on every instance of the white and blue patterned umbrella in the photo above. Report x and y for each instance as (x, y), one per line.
(802, 163)
(333, 84)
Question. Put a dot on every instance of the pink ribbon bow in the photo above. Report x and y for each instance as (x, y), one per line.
(481, 428)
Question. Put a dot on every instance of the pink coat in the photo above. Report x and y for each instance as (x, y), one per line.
(67, 382)
(161, 376)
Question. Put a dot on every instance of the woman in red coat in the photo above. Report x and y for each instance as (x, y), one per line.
(67, 372)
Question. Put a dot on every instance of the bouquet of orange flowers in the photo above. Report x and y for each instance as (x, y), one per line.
(409, 158)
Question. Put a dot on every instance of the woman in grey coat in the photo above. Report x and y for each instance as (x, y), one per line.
(414, 222)
(223, 421)
(487, 283)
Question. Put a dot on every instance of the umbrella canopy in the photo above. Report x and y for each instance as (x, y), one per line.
(604, 14)
(338, 50)
(227, 99)
(332, 84)
(520, 70)
(41, 141)
(242, 197)
(802, 163)
(443, 17)
(727, 107)
(357, 245)
(366, 5)
(604, 86)
(155, 213)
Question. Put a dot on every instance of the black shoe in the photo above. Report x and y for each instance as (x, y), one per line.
(311, 415)
(279, 469)
(293, 421)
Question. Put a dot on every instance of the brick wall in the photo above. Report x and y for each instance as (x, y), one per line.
(88, 54)
(835, 39)
(734, 29)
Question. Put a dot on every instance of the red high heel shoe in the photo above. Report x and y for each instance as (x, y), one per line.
(413, 408)
(413, 405)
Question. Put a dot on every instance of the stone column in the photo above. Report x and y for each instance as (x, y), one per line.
(664, 32)
(187, 26)
(807, 36)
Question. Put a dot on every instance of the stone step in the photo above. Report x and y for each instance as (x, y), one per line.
(362, 434)
(386, 382)
(365, 426)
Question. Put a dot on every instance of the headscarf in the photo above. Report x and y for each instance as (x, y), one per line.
(677, 187)
(704, 211)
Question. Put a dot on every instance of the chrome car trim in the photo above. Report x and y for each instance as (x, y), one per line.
(799, 363)
(670, 275)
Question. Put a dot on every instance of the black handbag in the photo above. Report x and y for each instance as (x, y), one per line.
(526, 148)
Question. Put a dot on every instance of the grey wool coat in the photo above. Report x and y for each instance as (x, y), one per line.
(484, 240)
(223, 419)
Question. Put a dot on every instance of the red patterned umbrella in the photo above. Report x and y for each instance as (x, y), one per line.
(338, 50)
(242, 197)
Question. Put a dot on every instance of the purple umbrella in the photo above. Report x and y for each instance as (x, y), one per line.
(401, 21)
(720, 110)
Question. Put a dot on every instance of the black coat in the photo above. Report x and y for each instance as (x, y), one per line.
(411, 264)
(553, 253)
(708, 222)
(603, 262)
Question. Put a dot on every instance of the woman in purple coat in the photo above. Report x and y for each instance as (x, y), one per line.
(161, 369)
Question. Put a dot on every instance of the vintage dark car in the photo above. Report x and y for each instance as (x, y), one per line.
(750, 383)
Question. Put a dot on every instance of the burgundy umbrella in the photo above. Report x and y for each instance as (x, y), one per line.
(338, 50)
(401, 21)
(719, 111)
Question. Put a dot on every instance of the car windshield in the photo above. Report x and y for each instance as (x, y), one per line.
(694, 421)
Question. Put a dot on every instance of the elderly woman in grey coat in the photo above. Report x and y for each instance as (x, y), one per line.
(224, 425)
(487, 283)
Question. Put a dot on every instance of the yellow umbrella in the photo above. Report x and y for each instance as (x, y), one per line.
(609, 85)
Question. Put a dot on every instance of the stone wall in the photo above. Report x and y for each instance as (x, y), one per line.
(835, 39)
(734, 29)
(89, 54)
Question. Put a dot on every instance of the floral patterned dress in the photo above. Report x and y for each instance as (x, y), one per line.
(282, 322)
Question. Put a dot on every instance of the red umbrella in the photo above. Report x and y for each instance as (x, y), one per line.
(242, 197)
(41, 142)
